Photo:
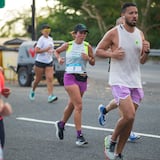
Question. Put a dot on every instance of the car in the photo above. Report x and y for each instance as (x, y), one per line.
(26, 59)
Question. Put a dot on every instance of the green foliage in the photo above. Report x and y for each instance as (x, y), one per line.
(98, 16)
(2, 3)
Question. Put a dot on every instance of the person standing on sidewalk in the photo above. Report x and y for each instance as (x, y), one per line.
(44, 63)
(78, 53)
(128, 50)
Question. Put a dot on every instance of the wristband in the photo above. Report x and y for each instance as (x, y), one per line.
(147, 52)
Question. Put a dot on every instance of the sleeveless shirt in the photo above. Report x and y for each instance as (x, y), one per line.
(74, 61)
(126, 72)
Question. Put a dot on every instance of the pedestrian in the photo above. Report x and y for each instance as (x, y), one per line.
(129, 49)
(5, 110)
(104, 110)
(44, 63)
(78, 53)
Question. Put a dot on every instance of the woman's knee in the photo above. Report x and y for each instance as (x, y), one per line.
(78, 107)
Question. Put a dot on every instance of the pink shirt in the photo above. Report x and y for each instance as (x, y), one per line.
(1, 81)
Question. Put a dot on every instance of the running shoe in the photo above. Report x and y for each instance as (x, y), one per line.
(52, 98)
(133, 137)
(118, 158)
(101, 117)
(32, 95)
(59, 130)
(81, 141)
(109, 148)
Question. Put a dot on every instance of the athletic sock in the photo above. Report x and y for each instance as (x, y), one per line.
(105, 111)
(62, 124)
(79, 133)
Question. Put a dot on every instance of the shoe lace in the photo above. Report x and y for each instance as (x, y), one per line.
(81, 138)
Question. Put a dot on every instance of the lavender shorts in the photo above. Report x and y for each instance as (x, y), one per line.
(121, 92)
(69, 79)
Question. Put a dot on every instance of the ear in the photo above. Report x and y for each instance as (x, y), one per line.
(122, 15)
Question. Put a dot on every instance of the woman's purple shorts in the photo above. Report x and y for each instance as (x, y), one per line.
(69, 79)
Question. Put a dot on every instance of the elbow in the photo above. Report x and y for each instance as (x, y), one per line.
(97, 53)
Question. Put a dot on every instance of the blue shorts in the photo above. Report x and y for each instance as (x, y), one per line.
(121, 92)
(69, 79)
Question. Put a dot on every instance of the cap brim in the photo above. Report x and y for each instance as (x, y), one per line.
(83, 30)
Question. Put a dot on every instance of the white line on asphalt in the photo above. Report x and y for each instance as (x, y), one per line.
(83, 126)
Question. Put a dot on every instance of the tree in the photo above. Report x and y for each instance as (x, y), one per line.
(103, 14)
(98, 16)
(2, 3)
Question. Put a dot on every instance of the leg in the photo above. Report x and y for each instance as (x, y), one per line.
(2, 133)
(49, 79)
(104, 110)
(69, 109)
(76, 99)
(60, 124)
(112, 105)
(124, 124)
(38, 76)
(133, 137)
(67, 112)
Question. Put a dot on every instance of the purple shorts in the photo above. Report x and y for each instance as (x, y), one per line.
(69, 79)
(121, 92)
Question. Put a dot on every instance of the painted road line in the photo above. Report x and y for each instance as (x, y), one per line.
(83, 126)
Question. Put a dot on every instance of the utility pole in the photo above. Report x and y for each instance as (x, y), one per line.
(33, 20)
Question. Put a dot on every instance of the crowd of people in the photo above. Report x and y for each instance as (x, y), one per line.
(125, 46)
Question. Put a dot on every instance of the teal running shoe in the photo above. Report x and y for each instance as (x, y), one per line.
(52, 98)
(32, 95)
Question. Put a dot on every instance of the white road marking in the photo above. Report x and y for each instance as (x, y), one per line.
(83, 126)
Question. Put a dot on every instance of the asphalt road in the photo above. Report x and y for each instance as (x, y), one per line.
(30, 131)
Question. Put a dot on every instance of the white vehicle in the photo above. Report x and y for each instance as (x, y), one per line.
(25, 63)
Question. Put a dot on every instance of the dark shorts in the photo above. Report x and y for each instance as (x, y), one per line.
(122, 92)
(2, 133)
(69, 79)
(43, 65)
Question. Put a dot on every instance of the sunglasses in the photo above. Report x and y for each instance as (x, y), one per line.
(46, 29)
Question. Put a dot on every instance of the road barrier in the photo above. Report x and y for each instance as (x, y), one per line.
(154, 52)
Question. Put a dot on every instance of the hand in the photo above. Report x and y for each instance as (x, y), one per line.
(6, 92)
(50, 49)
(61, 60)
(85, 56)
(118, 54)
(1, 70)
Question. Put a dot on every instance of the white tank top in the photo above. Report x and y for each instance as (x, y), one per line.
(126, 72)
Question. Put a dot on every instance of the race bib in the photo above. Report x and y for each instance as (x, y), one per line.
(74, 68)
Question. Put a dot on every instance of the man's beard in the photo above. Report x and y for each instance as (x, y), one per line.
(131, 24)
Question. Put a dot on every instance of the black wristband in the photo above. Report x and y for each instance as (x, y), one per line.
(147, 52)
